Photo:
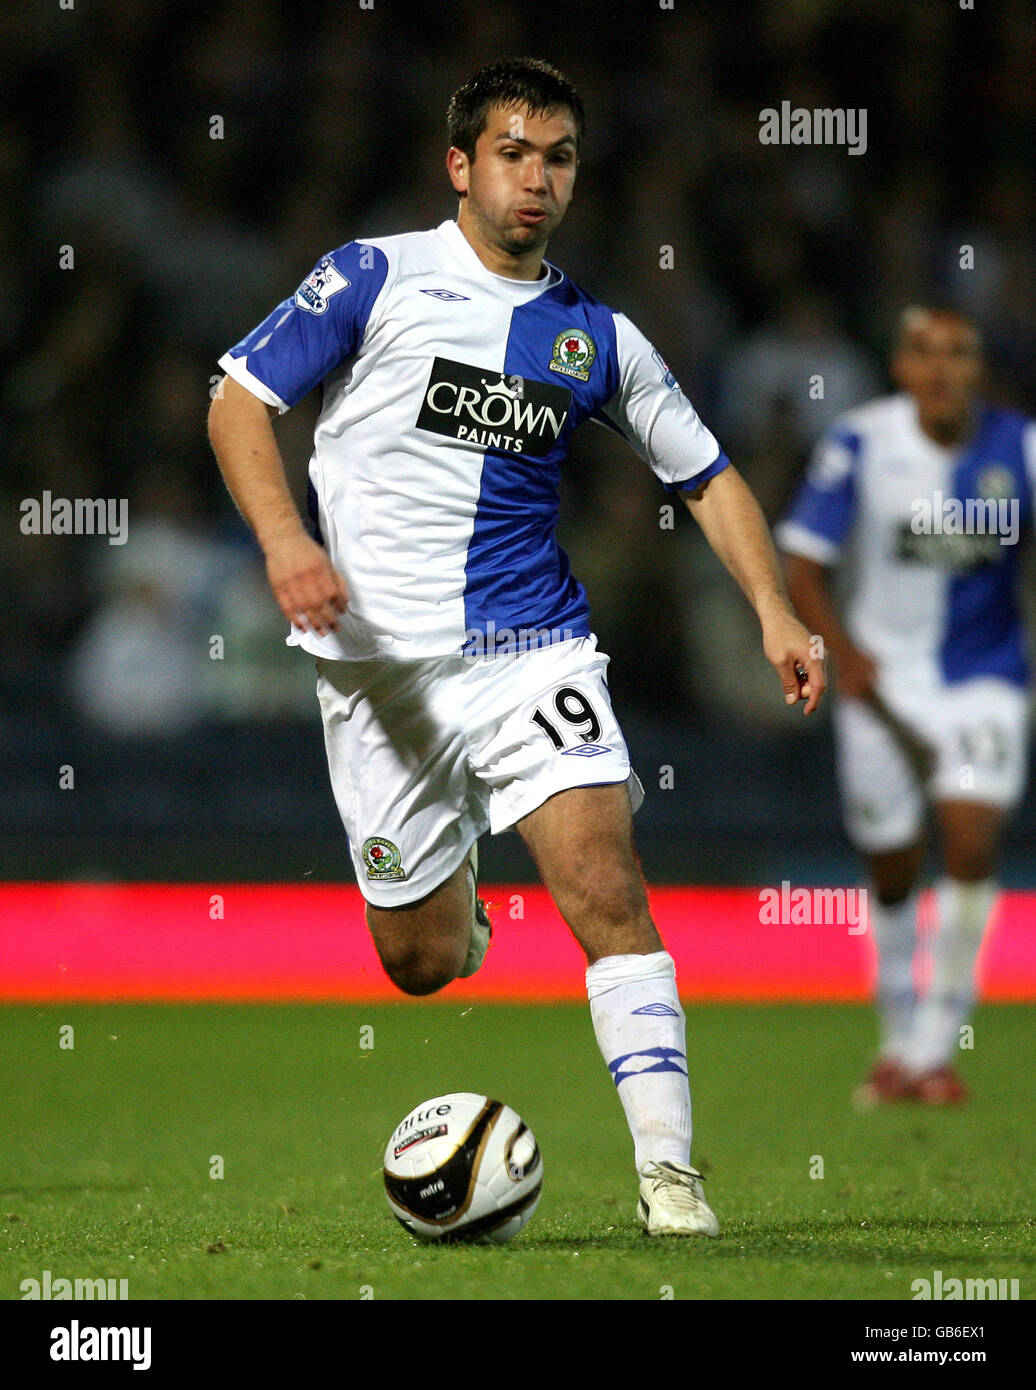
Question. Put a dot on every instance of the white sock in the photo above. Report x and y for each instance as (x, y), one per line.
(963, 913)
(895, 939)
(640, 1030)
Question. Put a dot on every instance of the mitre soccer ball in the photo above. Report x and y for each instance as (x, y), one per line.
(463, 1167)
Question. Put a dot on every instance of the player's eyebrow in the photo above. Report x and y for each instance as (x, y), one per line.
(520, 140)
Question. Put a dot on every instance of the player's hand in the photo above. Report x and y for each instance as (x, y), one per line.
(856, 674)
(793, 653)
(309, 590)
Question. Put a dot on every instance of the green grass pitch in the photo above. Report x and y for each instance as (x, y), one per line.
(108, 1146)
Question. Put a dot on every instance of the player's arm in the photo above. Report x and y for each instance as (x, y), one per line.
(735, 528)
(809, 584)
(308, 590)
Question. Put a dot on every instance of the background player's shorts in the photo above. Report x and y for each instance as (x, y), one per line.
(426, 755)
(978, 731)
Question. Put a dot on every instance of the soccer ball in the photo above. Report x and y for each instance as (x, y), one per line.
(463, 1167)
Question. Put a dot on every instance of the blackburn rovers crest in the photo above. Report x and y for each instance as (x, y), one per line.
(995, 482)
(574, 354)
(382, 858)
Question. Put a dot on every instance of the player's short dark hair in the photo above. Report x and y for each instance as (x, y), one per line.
(938, 308)
(528, 82)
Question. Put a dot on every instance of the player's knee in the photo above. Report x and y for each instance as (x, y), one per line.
(894, 875)
(420, 966)
(420, 974)
(970, 860)
(893, 892)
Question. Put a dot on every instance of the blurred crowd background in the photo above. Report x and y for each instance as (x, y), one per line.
(787, 262)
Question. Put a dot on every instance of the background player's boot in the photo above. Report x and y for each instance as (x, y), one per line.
(885, 1083)
(940, 1086)
(481, 928)
(672, 1201)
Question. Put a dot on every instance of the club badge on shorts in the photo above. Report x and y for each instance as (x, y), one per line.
(382, 858)
(574, 354)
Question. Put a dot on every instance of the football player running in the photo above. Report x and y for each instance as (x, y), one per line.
(459, 679)
(929, 490)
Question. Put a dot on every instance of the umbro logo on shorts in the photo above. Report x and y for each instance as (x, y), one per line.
(656, 1010)
(585, 750)
(492, 410)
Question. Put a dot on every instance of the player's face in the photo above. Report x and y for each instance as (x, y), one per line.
(520, 182)
(939, 363)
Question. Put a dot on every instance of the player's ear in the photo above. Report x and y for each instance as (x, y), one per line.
(457, 166)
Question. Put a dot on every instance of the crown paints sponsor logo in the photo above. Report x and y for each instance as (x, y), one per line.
(77, 516)
(492, 410)
(840, 125)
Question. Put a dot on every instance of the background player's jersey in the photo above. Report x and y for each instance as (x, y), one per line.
(449, 398)
(935, 536)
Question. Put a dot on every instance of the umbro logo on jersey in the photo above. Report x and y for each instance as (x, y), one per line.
(657, 1010)
(585, 750)
(493, 411)
(445, 294)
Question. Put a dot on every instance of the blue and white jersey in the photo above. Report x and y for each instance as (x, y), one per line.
(934, 537)
(449, 395)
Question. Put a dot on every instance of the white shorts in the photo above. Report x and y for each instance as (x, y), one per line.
(427, 755)
(978, 731)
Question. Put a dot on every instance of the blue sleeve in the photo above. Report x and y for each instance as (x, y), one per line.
(693, 484)
(821, 514)
(308, 335)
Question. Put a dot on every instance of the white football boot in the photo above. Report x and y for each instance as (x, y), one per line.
(481, 928)
(672, 1202)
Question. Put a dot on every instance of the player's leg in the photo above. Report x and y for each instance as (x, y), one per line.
(398, 770)
(884, 812)
(546, 743)
(965, 897)
(982, 727)
(424, 945)
(581, 839)
(894, 877)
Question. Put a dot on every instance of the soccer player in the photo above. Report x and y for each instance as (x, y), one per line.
(459, 679)
(929, 490)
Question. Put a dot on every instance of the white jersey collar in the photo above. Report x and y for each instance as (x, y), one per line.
(516, 291)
